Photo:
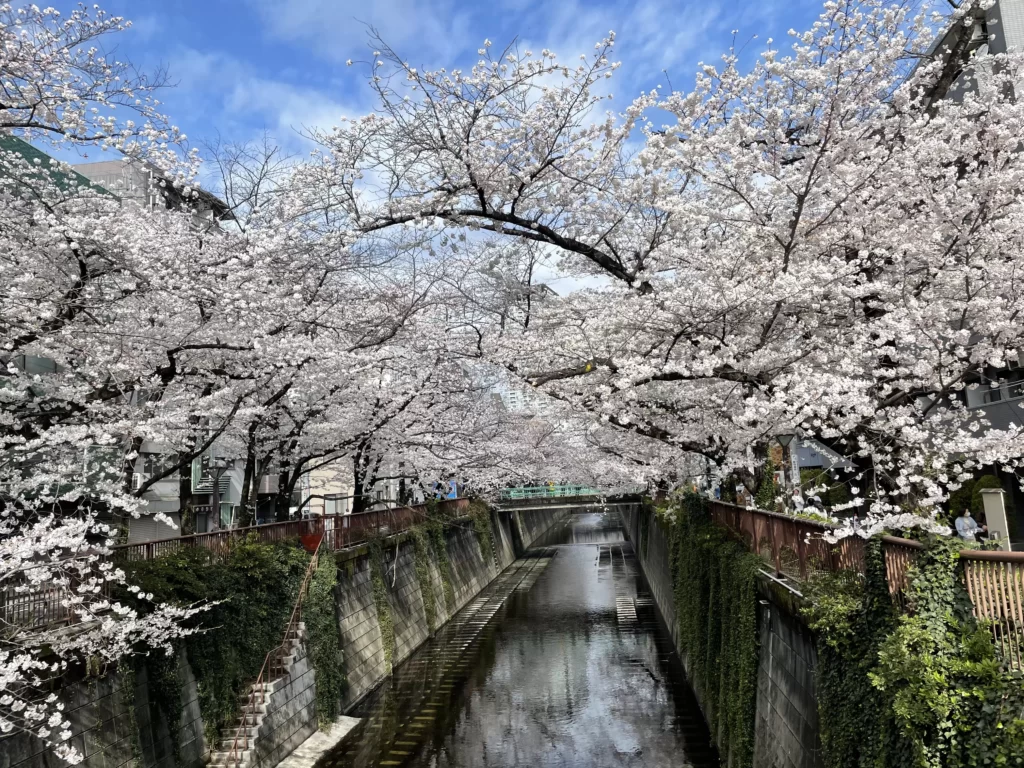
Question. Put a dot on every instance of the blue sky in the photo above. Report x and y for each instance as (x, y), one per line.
(245, 66)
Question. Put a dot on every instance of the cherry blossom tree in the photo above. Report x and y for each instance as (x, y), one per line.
(822, 242)
(70, 258)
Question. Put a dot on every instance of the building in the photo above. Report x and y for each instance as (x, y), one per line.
(997, 394)
(133, 180)
(146, 185)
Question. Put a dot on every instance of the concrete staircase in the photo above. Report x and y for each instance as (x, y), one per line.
(254, 708)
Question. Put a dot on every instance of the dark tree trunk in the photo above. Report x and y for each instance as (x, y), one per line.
(185, 501)
(247, 515)
(360, 501)
(283, 498)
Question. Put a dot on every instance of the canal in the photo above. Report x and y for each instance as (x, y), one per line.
(561, 661)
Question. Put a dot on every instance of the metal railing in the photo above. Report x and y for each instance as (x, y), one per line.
(899, 555)
(797, 547)
(339, 530)
(35, 606)
(25, 605)
(548, 492)
(273, 666)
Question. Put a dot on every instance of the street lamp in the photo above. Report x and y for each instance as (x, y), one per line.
(787, 461)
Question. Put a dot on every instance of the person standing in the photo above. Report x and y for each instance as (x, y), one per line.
(798, 500)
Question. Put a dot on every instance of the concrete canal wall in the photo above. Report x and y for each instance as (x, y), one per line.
(786, 719)
(451, 585)
(116, 725)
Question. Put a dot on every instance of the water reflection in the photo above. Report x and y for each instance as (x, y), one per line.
(560, 662)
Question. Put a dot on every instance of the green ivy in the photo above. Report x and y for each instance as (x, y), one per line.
(250, 592)
(922, 689)
(439, 546)
(126, 689)
(164, 685)
(835, 492)
(421, 549)
(769, 490)
(319, 612)
(852, 615)
(480, 514)
(380, 600)
(433, 505)
(714, 582)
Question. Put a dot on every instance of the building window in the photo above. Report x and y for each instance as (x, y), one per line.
(1010, 386)
(993, 396)
(156, 463)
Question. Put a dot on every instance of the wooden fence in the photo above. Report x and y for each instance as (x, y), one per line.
(797, 547)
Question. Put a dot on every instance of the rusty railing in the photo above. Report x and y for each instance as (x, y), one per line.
(339, 530)
(796, 547)
(26, 605)
(899, 555)
(35, 606)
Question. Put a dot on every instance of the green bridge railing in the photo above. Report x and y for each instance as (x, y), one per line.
(548, 492)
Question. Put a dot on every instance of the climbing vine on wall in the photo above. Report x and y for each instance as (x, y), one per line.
(320, 615)
(769, 489)
(126, 690)
(715, 600)
(922, 689)
(380, 600)
(164, 685)
(435, 532)
(421, 547)
(481, 517)
(251, 591)
(853, 614)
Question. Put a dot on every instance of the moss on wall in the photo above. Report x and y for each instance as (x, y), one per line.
(714, 585)
(380, 601)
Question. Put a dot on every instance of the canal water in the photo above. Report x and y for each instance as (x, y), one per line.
(561, 661)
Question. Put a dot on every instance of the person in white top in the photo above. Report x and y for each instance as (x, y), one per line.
(798, 500)
(967, 527)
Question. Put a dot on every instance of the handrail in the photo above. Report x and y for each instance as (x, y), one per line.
(396, 519)
(273, 661)
(994, 580)
(548, 491)
(900, 542)
(992, 555)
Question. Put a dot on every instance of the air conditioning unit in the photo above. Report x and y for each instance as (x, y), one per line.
(137, 480)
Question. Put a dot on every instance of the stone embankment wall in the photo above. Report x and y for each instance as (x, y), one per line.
(115, 725)
(786, 724)
(466, 573)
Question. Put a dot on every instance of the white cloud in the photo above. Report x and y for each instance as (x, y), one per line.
(145, 28)
(338, 30)
(241, 103)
